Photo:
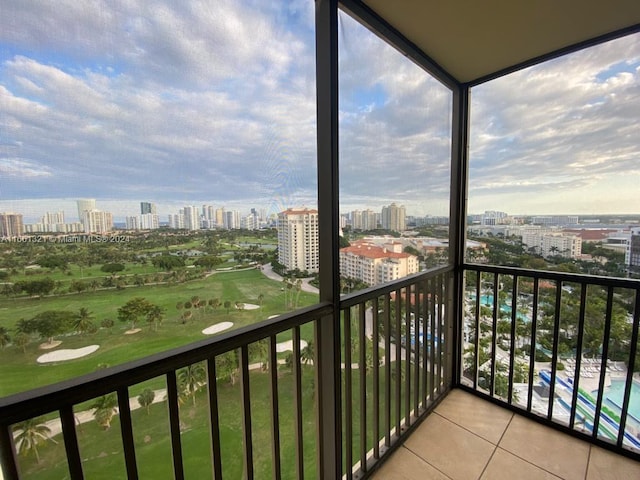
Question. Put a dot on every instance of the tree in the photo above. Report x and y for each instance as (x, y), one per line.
(112, 268)
(190, 379)
(104, 409)
(133, 310)
(168, 262)
(5, 339)
(30, 434)
(227, 305)
(227, 366)
(307, 353)
(52, 322)
(21, 340)
(208, 261)
(82, 323)
(155, 314)
(260, 300)
(36, 287)
(145, 399)
(107, 323)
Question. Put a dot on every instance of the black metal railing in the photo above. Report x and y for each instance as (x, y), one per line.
(396, 351)
(173, 367)
(396, 365)
(561, 347)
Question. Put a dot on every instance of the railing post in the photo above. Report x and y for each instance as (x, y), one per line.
(327, 328)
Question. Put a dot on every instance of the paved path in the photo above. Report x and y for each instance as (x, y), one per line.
(267, 270)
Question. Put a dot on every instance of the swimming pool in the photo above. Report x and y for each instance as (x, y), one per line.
(615, 393)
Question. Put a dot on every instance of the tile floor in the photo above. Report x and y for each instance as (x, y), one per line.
(467, 438)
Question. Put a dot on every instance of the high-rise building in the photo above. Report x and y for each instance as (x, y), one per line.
(96, 221)
(147, 207)
(191, 218)
(393, 217)
(147, 221)
(177, 220)
(231, 219)
(220, 217)
(298, 246)
(85, 205)
(11, 224)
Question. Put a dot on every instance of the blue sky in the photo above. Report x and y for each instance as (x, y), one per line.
(214, 102)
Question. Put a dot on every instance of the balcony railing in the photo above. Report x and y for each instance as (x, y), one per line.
(547, 344)
(396, 351)
(559, 347)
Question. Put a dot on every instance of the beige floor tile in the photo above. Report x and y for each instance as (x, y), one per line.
(605, 465)
(505, 466)
(551, 450)
(451, 449)
(405, 465)
(476, 415)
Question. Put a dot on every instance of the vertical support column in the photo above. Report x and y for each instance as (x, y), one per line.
(458, 218)
(327, 332)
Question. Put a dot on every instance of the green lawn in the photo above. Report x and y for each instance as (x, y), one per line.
(101, 450)
(20, 371)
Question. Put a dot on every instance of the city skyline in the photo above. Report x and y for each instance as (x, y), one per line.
(185, 102)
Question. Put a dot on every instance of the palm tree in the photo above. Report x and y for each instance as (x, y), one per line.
(227, 305)
(82, 323)
(5, 339)
(190, 379)
(145, 399)
(21, 341)
(260, 300)
(105, 409)
(31, 433)
(307, 353)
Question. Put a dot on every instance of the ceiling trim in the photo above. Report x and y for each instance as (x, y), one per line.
(592, 42)
(380, 27)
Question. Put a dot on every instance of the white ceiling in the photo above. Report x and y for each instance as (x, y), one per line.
(474, 38)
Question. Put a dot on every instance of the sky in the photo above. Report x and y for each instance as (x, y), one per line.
(213, 102)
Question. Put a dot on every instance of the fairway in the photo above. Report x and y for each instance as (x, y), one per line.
(20, 370)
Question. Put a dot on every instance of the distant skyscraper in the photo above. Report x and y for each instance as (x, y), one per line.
(191, 218)
(298, 244)
(393, 217)
(96, 221)
(147, 207)
(220, 217)
(84, 205)
(11, 225)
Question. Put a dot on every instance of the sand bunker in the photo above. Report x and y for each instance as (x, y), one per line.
(67, 354)
(272, 316)
(218, 327)
(49, 345)
(132, 331)
(251, 306)
(288, 346)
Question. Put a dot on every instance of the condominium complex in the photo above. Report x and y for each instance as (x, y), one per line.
(364, 220)
(96, 221)
(11, 225)
(298, 239)
(146, 221)
(374, 264)
(393, 217)
(553, 244)
(147, 207)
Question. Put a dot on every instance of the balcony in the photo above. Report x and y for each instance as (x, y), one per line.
(409, 402)
(469, 438)
(439, 370)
